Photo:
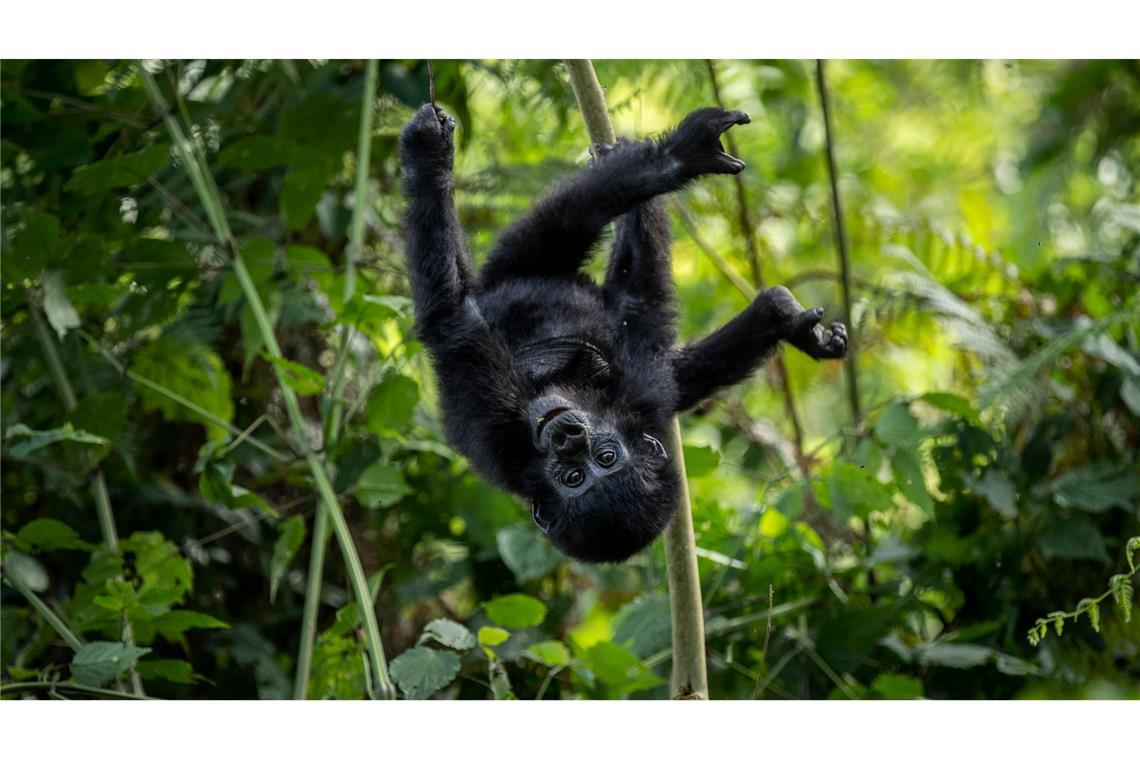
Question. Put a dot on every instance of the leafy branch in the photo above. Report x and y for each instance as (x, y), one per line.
(1119, 588)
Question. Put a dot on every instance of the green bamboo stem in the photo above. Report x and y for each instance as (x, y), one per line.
(99, 493)
(335, 408)
(72, 639)
(851, 365)
(211, 200)
(690, 677)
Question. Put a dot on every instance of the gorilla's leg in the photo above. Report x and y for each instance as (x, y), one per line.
(736, 350)
(555, 237)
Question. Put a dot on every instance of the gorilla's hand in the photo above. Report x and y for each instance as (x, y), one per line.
(427, 143)
(803, 329)
(695, 144)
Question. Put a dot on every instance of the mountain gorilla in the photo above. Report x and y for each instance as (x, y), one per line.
(560, 390)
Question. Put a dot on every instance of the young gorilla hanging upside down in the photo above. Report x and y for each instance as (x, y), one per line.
(560, 390)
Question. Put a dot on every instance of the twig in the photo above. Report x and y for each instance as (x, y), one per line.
(764, 652)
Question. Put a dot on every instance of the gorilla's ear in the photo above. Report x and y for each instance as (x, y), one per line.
(542, 521)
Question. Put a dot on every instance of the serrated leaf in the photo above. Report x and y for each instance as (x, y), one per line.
(550, 653)
(421, 672)
(448, 633)
(526, 552)
(101, 661)
(516, 611)
(290, 536)
(304, 380)
(192, 371)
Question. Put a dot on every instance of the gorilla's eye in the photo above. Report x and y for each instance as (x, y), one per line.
(573, 478)
(607, 457)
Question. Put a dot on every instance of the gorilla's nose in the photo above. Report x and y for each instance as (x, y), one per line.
(569, 437)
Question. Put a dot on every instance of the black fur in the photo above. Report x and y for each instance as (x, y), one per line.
(559, 389)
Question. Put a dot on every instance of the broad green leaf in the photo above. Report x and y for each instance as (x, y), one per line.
(907, 470)
(46, 534)
(101, 661)
(490, 636)
(449, 633)
(175, 671)
(173, 624)
(550, 653)
(381, 485)
(1096, 488)
(849, 638)
(299, 195)
(304, 380)
(391, 405)
(516, 611)
(644, 625)
(853, 491)
(526, 553)
(701, 460)
(897, 427)
(34, 440)
(998, 491)
(421, 672)
(120, 171)
(190, 370)
(290, 536)
(953, 403)
(896, 686)
(1074, 538)
(61, 314)
(619, 669)
(33, 247)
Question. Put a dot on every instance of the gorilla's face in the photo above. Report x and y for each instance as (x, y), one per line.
(610, 489)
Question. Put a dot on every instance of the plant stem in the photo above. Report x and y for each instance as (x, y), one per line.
(690, 677)
(47, 613)
(748, 231)
(19, 686)
(333, 411)
(841, 244)
(211, 200)
(103, 511)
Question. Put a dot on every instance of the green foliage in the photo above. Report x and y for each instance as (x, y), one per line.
(991, 210)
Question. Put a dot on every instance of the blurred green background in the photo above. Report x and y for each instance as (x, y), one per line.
(964, 535)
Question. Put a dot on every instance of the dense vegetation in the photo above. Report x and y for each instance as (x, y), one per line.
(963, 533)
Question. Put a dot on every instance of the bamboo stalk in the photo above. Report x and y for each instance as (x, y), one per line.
(210, 198)
(840, 242)
(334, 409)
(690, 676)
(103, 510)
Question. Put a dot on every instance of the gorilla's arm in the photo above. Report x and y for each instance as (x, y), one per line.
(438, 262)
(733, 352)
(555, 237)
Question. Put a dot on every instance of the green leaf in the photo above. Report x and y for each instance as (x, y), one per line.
(490, 636)
(190, 370)
(290, 536)
(449, 633)
(953, 403)
(61, 314)
(101, 661)
(391, 405)
(526, 552)
(1096, 488)
(37, 439)
(421, 672)
(617, 668)
(550, 653)
(381, 485)
(299, 195)
(33, 247)
(998, 491)
(850, 637)
(304, 380)
(173, 624)
(46, 534)
(516, 611)
(28, 570)
(897, 427)
(120, 171)
(907, 469)
(256, 153)
(175, 671)
(895, 686)
(644, 625)
(1074, 538)
(701, 460)
(853, 491)
(950, 655)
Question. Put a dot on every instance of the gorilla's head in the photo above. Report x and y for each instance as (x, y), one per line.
(607, 488)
